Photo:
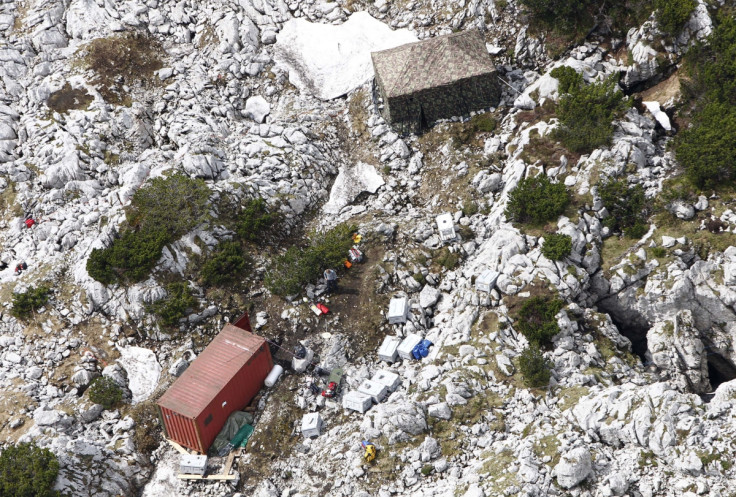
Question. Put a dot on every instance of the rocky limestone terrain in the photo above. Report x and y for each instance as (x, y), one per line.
(641, 399)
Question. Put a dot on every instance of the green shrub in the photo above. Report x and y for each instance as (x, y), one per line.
(147, 427)
(463, 133)
(659, 252)
(29, 301)
(291, 271)
(560, 15)
(536, 319)
(586, 114)
(105, 391)
(673, 14)
(707, 148)
(255, 220)
(447, 259)
(27, 470)
(225, 265)
(570, 79)
(534, 368)
(537, 200)
(627, 207)
(175, 305)
(160, 212)
(130, 258)
(556, 247)
(175, 204)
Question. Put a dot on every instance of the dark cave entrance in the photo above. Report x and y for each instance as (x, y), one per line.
(720, 370)
(637, 335)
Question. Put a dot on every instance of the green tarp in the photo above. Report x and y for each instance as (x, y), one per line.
(238, 425)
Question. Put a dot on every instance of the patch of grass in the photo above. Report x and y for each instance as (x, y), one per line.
(537, 200)
(147, 434)
(466, 133)
(570, 396)
(358, 114)
(545, 150)
(120, 61)
(68, 98)
(24, 304)
(548, 446)
(175, 305)
(105, 391)
(647, 458)
(658, 252)
(557, 246)
(446, 259)
(291, 271)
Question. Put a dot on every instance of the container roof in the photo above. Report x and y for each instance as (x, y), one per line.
(431, 63)
(226, 354)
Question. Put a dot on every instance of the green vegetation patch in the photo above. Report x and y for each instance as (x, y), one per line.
(298, 266)
(534, 368)
(465, 133)
(255, 220)
(227, 264)
(160, 212)
(537, 200)
(24, 304)
(673, 14)
(586, 112)
(147, 427)
(120, 61)
(68, 98)
(536, 319)
(105, 391)
(627, 207)
(178, 302)
(557, 246)
(707, 149)
(27, 470)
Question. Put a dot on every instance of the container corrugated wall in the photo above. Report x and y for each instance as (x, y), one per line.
(180, 429)
(235, 395)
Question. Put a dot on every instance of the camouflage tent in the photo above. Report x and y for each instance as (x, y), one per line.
(434, 79)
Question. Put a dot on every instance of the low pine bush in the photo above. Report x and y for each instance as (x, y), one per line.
(537, 200)
(29, 301)
(175, 305)
(27, 470)
(627, 207)
(105, 391)
(255, 220)
(556, 247)
(673, 14)
(226, 264)
(295, 268)
(535, 369)
(147, 427)
(536, 320)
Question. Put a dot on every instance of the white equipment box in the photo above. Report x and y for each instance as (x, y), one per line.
(311, 425)
(446, 227)
(387, 352)
(398, 310)
(408, 345)
(391, 380)
(377, 391)
(486, 281)
(357, 401)
(193, 465)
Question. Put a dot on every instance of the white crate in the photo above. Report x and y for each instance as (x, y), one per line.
(311, 425)
(391, 380)
(446, 227)
(376, 390)
(301, 365)
(357, 401)
(398, 310)
(486, 281)
(387, 352)
(193, 465)
(407, 345)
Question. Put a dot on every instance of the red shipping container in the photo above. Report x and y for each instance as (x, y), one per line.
(223, 379)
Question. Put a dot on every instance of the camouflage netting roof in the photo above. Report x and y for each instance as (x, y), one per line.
(431, 63)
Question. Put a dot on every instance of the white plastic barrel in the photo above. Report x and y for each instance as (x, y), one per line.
(273, 376)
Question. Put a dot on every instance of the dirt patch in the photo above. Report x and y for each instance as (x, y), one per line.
(667, 90)
(122, 61)
(11, 402)
(68, 98)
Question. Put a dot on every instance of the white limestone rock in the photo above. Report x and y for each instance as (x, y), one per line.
(574, 467)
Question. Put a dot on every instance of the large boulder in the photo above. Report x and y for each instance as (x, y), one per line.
(574, 467)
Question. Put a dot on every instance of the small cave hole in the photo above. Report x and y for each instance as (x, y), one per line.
(637, 335)
(720, 370)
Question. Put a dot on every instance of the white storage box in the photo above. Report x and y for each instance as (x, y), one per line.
(387, 352)
(357, 401)
(391, 380)
(446, 227)
(193, 465)
(301, 365)
(486, 281)
(311, 425)
(376, 390)
(407, 345)
(398, 310)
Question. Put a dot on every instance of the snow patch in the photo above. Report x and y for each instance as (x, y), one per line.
(143, 371)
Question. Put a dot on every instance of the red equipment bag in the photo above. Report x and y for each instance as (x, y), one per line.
(30, 222)
(323, 308)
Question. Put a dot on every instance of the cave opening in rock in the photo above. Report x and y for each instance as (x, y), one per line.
(720, 370)
(637, 335)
